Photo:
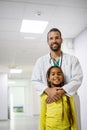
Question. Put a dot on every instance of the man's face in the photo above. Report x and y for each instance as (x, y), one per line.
(54, 41)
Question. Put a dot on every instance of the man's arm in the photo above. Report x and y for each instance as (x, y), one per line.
(76, 74)
(37, 76)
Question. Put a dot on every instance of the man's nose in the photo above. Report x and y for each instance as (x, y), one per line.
(54, 39)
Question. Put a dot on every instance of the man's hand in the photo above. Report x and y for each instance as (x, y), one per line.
(54, 94)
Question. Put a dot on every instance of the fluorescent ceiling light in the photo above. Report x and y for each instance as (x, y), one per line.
(33, 26)
(16, 71)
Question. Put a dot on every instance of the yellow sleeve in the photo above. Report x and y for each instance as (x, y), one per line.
(42, 112)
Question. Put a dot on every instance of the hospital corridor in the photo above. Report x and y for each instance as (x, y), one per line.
(24, 27)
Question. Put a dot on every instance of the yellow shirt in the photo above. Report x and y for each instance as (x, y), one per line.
(51, 114)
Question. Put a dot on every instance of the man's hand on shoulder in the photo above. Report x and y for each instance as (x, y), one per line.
(54, 94)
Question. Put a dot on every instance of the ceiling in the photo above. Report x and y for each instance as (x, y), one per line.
(70, 16)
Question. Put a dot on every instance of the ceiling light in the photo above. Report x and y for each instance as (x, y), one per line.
(33, 26)
(16, 71)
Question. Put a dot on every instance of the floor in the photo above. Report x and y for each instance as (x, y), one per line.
(20, 122)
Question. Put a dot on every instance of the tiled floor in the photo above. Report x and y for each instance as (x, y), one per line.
(20, 122)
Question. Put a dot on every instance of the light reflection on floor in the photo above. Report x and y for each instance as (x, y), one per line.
(20, 122)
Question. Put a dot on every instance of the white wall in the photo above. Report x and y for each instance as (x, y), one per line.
(28, 109)
(80, 46)
(3, 97)
(68, 46)
(36, 101)
(18, 96)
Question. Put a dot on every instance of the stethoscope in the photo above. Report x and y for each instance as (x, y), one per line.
(51, 59)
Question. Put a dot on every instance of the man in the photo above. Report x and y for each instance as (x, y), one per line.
(70, 67)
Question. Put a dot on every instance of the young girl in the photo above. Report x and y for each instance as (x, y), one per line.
(59, 115)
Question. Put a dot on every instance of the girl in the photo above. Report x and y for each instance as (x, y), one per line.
(59, 115)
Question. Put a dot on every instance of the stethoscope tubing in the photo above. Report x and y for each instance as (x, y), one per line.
(52, 59)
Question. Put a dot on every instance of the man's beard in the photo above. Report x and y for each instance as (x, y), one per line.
(55, 48)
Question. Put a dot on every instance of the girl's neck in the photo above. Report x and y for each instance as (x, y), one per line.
(58, 85)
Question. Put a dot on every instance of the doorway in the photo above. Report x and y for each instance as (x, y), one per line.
(16, 102)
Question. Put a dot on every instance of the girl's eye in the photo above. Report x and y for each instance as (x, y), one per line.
(59, 74)
(52, 74)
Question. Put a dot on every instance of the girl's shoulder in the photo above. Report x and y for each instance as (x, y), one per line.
(43, 95)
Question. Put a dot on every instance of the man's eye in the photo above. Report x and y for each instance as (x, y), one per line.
(51, 38)
(57, 37)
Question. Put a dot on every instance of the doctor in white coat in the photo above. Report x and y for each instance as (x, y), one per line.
(70, 67)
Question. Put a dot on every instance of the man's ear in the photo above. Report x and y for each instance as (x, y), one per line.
(47, 41)
(61, 40)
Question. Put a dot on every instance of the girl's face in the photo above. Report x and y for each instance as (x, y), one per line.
(56, 77)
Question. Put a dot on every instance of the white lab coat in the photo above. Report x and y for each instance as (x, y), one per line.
(72, 73)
